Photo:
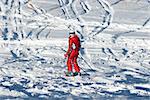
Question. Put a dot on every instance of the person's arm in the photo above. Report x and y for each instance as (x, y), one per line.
(70, 47)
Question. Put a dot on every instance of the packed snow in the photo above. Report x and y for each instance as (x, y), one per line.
(114, 55)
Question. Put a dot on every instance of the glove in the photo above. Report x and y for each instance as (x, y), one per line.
(66, 55)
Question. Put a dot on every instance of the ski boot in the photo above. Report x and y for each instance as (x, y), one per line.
(76, 73)
(69, 73)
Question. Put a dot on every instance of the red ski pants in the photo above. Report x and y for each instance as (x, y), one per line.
(72, 60)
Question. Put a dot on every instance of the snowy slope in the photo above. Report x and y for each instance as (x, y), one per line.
(114, 58)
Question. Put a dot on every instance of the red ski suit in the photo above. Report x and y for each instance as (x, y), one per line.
(73, 52)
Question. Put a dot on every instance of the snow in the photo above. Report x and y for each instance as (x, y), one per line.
(114, 56)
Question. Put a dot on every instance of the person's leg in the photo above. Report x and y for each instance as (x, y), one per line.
(69, 64)
(70, 61)
(76, 67)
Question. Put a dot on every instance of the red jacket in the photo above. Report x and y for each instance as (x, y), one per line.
(74, 44)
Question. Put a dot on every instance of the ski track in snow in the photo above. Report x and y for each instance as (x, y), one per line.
(114, 61)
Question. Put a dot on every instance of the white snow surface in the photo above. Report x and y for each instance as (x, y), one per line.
(114, 56)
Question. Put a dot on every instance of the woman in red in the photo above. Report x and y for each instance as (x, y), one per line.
(72, 54)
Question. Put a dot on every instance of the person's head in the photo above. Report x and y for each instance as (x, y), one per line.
(72, 34)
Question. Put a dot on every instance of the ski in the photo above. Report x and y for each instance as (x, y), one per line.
(72, 74)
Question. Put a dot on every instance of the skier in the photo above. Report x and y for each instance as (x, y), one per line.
(72, 54)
